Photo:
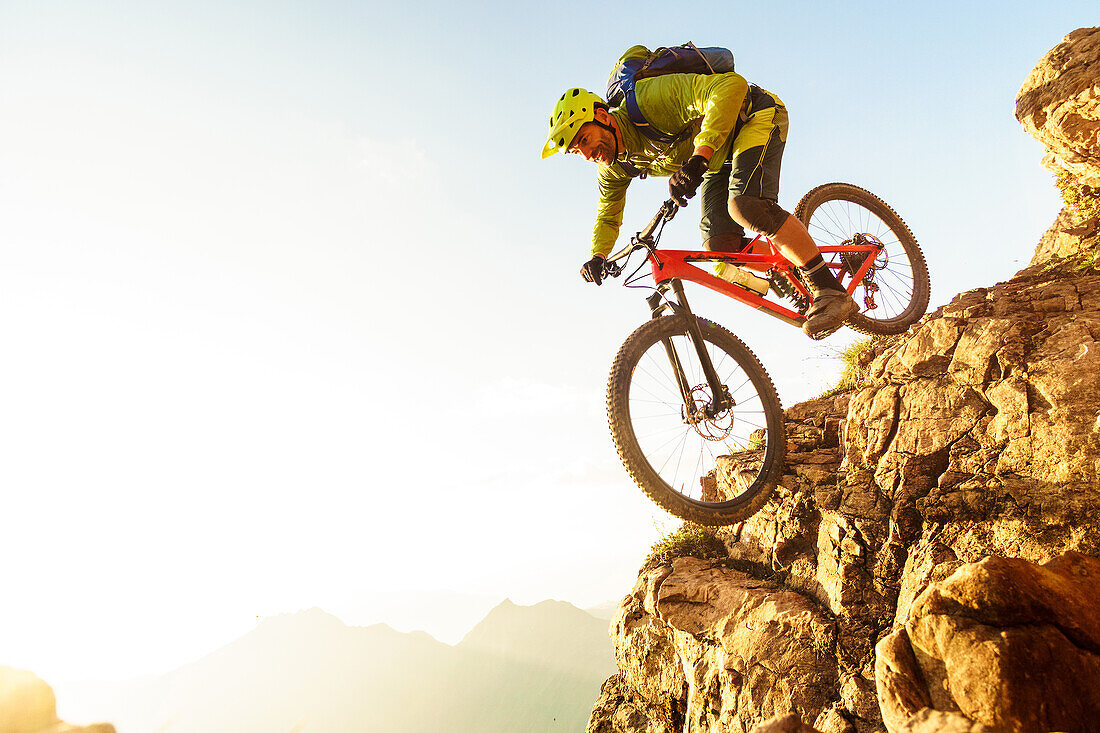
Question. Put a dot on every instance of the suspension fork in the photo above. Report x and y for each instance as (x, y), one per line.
(720, 399)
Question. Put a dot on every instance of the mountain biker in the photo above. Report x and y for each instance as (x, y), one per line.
(730, 141)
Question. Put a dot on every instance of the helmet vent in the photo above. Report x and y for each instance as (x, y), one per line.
(575, 108)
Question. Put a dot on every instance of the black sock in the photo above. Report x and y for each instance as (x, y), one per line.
(818, 273)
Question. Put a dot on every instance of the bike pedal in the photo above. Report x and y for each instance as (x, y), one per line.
(826, 333)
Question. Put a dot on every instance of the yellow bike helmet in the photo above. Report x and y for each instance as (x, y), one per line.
(576, 107)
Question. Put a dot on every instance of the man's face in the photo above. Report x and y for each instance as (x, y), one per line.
(595, 143)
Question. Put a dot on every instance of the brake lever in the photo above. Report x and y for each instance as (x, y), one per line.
(669, 209)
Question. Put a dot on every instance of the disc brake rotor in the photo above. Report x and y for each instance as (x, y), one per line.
(709, 428)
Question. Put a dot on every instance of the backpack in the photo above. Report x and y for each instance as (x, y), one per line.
(640, 63)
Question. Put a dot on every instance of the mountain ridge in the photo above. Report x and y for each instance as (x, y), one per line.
(527, 668)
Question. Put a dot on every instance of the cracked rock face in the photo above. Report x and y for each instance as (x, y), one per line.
(929, 560)
(975, 436)
(740, 649)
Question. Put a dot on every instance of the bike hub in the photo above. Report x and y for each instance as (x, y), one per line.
(710, 422)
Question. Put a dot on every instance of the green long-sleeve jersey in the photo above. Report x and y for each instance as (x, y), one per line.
(707, 103)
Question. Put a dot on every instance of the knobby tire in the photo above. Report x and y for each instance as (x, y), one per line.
(633, 408)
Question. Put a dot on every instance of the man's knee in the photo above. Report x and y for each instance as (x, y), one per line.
(760, 215)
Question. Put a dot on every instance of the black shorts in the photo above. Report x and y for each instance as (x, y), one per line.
(752, 166)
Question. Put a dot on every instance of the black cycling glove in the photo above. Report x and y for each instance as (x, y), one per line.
(593, 270)
(685, 182)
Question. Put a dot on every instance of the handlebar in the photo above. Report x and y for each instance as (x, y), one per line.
(664, 214)
(645, 239)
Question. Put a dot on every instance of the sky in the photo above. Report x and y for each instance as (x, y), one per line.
(289, 305)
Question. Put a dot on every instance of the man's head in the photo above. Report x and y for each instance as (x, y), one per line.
(580, 123)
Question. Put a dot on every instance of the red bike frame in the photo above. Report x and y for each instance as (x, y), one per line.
(670, 264)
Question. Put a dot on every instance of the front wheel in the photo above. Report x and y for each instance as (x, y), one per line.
(711, 469)
(894, 292)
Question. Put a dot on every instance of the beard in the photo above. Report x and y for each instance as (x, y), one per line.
(605, 153)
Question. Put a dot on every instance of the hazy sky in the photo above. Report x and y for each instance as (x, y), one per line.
(289, 305)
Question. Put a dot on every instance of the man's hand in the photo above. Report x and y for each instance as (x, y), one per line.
(593, 270)
(685, 182)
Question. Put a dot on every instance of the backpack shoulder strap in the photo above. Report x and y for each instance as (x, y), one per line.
(620, 89)
(630, 102)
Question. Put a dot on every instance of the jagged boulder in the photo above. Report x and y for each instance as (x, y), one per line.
(1004, 642)
(703, 642)
(1059, 104)
(619, 709)
(28, 705)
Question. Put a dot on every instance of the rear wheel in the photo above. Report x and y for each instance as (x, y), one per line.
(711, 470)
(894, 293)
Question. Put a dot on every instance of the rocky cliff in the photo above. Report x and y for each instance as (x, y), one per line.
(28, 705)
(931, 560)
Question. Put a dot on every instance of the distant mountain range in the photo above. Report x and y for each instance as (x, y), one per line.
(523, 668)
